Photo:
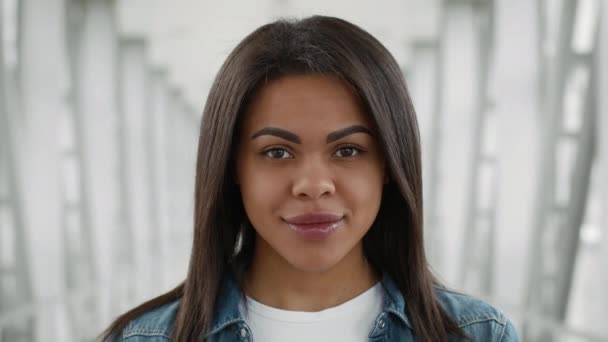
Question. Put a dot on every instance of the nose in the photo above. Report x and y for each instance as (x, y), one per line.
(313, 180)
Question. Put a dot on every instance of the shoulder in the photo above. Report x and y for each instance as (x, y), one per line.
(475, 317)
(153, 325)
(465, 310)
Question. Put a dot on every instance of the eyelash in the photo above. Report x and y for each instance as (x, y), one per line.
(358, 150)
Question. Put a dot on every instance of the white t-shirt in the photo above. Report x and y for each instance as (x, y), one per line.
(349, 321)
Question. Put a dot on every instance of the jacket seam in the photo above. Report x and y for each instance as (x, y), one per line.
(223, 325)
(502, 333)
(481, 320)
(401, 317)
(145, 332)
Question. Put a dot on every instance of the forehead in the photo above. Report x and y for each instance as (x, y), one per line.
(299, 101)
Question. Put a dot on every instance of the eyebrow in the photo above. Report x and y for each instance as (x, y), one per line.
(341, 133)
(331, 137)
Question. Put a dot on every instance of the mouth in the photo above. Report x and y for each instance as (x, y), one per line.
(314, 226)
(312, 219)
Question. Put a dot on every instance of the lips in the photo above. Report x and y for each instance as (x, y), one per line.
(313, 218)
(314, 226)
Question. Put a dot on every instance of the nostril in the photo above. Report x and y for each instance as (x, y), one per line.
(314, 191)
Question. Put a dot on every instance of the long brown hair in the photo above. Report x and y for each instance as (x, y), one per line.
(394, 244)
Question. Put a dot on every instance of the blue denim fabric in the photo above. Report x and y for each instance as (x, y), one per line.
(479, 320)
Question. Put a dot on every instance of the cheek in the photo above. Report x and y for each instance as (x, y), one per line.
(362, 191)
(261, 190)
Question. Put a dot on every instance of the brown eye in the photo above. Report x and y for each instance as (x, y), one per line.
(277, 153)
(347, 151)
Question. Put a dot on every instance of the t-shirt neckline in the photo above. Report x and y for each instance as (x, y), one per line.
(366, 298)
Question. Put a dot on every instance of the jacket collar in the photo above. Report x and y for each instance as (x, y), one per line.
(393, 300)
(226, 310)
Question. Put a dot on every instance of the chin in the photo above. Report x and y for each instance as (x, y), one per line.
(313, 263)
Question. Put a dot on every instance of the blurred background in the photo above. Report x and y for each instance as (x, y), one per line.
(100, 103)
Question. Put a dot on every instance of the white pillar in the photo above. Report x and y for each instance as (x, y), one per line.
(602, 143)
(478, 247)
(423, 83)
(182, 155)
(187, 154)
(160, 113)
(174, 179)
(515, 93)
(15, 283)
(459, 87)
(135, 97)
(44, 87)
(96, 80)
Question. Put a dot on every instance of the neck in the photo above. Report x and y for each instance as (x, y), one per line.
(271, 280)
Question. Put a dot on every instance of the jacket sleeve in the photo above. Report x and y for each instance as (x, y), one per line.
(509, 334)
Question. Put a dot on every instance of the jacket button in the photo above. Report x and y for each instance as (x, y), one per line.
(243, 332)
(381, 324)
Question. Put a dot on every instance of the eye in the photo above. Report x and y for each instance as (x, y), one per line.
(348, 151)
(277, 153)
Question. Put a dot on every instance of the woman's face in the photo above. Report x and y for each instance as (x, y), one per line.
(310, 171)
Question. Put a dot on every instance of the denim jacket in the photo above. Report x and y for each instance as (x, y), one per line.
(477, 319)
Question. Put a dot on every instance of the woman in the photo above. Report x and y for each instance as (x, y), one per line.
(308, 222)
